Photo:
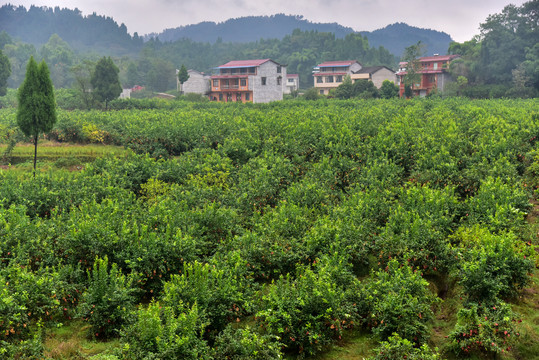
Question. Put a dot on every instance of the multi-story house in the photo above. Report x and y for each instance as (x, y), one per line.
(292, 83)
(331, 74)
(433, 75)
(257, 81)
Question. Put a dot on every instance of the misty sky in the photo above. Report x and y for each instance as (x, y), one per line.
(458, 18)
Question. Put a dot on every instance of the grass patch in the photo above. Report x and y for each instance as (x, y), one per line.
(72, 341)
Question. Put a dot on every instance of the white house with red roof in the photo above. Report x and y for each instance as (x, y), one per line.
(257, 81)
(434, 71)
(331, 74)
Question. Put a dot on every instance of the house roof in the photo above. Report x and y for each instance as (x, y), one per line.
(338, 63)
(433, 58)
(292, 75)
(244, 63)
(372, 69)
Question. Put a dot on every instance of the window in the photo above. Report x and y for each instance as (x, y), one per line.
(329, 79)
(243, 70)
(238, 97)
(243, 82)
(435, 66)
(321, 92)
(339, 78)
(290, 80)
(278, 69)
(247, 96)
(319, 79)
(220, 97)
(263, 80)
(215, 83)
(279, 80)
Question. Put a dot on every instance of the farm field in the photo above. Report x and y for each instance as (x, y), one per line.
(323, 230)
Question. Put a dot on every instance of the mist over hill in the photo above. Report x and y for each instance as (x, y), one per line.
(249, 29)
(395, 37)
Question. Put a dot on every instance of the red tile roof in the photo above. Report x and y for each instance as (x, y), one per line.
(337, 63)
(292, 75)
(243, 63)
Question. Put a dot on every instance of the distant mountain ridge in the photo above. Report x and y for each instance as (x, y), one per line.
(395, 37)
(248, 29)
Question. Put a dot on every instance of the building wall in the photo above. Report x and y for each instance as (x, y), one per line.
(271, 91)
(381, 75)
(291, 86)
(198, 83)
(354, 67)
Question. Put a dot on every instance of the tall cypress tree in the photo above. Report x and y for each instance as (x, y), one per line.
(36, 113)
(105, 81)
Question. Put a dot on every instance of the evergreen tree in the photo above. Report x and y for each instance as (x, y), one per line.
(183, 76)
(105, 81)
(5, 72)
(36, 113)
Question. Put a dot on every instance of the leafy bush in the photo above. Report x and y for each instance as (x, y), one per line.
(492, 265)
(398, 301)
(397, 348)
(160, 332)
(246, 344)
(308, 312)
(487, 328)
(218, 293)
(108, 303)
(498, 205)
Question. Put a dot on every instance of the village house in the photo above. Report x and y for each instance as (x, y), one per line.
(292, 83)
(434, 75)
(198, 83)
(376, 74)
(257, 81)
(330, 74)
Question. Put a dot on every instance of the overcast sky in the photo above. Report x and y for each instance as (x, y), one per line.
(459, 18)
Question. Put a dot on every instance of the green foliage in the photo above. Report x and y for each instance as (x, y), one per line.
(492, 265)
(105, 81)
(218, 293)
(389, 90)
(311, 94)
(310, 310)
(398, 301)
(160, 332)
(246, 344)
(5, 72)
(484, 328)
(397, 348)
(36, 113)
(108, 303)
(183, 76)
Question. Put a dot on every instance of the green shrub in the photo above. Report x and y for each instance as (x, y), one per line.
(246, 344)
(160, 332)
(486, 328)
(108, 303)
(218, 292)
(311, 310)
(492, 265)
(397, 348)
(399, 301)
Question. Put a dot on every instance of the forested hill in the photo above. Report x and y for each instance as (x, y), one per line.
(249, 29)
(398, 36)
(395, 37)
(94, 33)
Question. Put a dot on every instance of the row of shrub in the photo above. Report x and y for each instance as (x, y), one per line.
(251, 243)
